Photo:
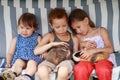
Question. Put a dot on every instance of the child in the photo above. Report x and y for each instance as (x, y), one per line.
(59, 36)
(92, 40)
(20, 54)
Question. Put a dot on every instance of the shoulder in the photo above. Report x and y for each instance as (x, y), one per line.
(80, 37)
(39, 38)
(104, 34)
(75, 43)
(48, 35)
(74, 37)
(103, 30)
(14, 40)
(38, 35)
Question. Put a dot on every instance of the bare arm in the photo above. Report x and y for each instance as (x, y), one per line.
(107, 49)
(10, 52)
(39, 49)
(46, 43)
(39, 39)
(75, 44)
(108, 45)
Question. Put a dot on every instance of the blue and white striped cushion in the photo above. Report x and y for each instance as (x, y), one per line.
(2, 62)
(103, 12)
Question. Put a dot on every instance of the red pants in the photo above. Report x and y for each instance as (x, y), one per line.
(83, 69)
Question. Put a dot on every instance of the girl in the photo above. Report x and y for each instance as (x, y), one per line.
(20, 54)
(59, 36)
(92, 40)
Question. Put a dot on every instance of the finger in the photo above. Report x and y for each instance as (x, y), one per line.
(92, 46)
(66, 44)
(81, 53)
(84, 56)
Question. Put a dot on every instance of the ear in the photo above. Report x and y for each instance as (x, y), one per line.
(86, 20)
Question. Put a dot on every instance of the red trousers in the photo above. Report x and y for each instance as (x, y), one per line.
(83, 69)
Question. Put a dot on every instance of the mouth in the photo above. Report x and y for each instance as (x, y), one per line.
(82, 34)
(62, 34)
(24, 35)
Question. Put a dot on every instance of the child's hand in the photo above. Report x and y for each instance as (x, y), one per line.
(89, 44)
(43, 55)
(85, 54)
(7, 65)
(60, 44)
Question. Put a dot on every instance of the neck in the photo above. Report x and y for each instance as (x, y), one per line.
(90, 30)
(64, 37)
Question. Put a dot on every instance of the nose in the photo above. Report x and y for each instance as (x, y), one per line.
(24, 30)
(61, 29)
(79, 31)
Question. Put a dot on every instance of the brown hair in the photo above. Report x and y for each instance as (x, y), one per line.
(57, 13)
(28, 19)
(79, 15)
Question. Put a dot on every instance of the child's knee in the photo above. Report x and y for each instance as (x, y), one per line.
(43, 70)
(19, 62)
(63, 71)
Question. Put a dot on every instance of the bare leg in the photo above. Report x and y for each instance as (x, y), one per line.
(31, 67)
(18, 66)
(43, 72)
(30, 70)
(63, 73)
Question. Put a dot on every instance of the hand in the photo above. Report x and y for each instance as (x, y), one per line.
(7, 65)
(43, 55)
(85, 54)
(90, 44)
(60, 44)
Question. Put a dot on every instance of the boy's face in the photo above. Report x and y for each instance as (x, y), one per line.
(81, 27)
(25, 31)
(60, 26)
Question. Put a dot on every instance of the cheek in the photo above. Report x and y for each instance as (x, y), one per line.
(73, 26)
(78, 30)
(56, 30)
(85, 30)
(19, 30)
(66, 28)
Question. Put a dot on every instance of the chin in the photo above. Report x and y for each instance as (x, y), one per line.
(84, 34)
(25, 36)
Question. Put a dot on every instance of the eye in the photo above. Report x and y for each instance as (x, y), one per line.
(21, 27)
(57, 27)
(64, 25)
(28, 28)
(78, 26)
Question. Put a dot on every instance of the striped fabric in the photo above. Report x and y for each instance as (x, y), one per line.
(103, 12)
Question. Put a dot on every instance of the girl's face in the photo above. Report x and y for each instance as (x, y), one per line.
(25, 31)
(60, 26)
(80, 27)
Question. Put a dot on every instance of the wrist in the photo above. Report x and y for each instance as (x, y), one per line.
(7, 62)
(51, 44)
